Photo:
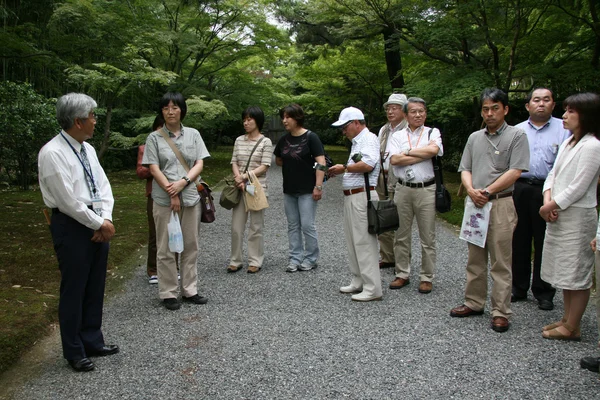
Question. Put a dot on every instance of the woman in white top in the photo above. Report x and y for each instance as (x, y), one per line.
(570, 212)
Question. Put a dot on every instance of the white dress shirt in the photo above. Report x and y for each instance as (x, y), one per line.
(367, 144)
(63, 183)
(407, 139)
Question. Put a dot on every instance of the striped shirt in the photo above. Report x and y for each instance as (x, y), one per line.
(262, 155)
(367, 144)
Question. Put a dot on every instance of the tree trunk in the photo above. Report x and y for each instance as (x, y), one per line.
(393, 59)
(106, 135)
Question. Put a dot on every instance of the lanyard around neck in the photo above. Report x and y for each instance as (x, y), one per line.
(408, 137)
(88, 172)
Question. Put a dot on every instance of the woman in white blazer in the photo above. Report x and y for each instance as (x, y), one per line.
(570, 212)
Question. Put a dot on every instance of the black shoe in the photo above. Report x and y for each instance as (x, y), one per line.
(82, 365)
(171, 304)
(514, 298)
(546, 305)
(196, 299)
(106, 350)
(590, 363)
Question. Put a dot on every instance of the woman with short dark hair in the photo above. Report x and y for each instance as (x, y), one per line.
(253, 119)
(297, 152)
(570, 211)
(173, 190)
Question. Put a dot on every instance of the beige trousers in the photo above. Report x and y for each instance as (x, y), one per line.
(503, 220)
(362, 246)
(386, 239)
(256, 242)
(167, 260)
(416, 203)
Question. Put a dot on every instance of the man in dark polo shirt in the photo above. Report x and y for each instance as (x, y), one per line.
(492, 161)
(545, 135)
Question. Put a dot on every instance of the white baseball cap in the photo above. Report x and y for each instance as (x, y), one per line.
(349, 114)
(396, 98)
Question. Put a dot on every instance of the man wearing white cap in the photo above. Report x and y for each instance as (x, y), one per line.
(411, 152)
(362, 246)
(396, 122)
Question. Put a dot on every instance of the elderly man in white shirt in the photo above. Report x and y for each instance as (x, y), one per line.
(396, 122)
(411, 152)
(362, 246)
(75, 187)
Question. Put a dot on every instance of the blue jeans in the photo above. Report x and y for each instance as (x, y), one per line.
(300, 210)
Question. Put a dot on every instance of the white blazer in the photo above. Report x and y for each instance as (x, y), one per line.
(574, 177)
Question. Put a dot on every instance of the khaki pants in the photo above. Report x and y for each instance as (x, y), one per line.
(416, 203)
(386, 239)
(362, 246)
(503, 220)
(256, 242)
(167, 260)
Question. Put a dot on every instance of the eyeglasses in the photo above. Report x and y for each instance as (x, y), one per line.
(170, 108)
(342, 127)
(393, 108)
(417, 112)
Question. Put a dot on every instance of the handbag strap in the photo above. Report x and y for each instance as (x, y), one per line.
(252, 152)
(368, 190)
(437, 166)
(165, 135)
(385, 187)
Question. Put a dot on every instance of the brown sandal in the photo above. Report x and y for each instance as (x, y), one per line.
(252, 269)
(553, 334)
(554, 325)
(233, 268)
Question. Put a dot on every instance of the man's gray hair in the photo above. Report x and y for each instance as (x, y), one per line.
(72, 106)
(413, 100)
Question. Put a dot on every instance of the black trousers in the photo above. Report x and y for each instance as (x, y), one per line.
(82, 265)
(528, 200)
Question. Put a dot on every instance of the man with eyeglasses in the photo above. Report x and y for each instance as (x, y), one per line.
(396, 122)
(362, 246)
(492, 161)
(545, 134)
(411, 152)
(75, 187)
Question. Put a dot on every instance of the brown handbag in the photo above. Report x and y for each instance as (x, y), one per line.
(207, 204)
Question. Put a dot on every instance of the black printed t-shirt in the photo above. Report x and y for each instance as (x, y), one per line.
(298, 154)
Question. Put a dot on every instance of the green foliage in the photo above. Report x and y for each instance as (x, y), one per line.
(27, 122)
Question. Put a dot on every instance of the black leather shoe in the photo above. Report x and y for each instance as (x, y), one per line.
(82, 365)
(171, 304)
(514, 298)
(590, 363)
(196, 299)
(545, 305)
(105, 350)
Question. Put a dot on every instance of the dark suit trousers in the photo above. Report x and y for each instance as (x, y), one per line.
(528, 200)
(82, 265)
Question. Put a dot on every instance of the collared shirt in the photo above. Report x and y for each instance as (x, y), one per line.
(63, 183)
(488, 156)
(367, 144)
(406, 139)
(385, 139)
(543, 146)
(262, 155)
(158, 152)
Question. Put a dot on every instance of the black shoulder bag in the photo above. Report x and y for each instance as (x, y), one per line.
(443, 201)
(382, 215)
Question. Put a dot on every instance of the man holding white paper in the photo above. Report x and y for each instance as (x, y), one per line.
(492, 161)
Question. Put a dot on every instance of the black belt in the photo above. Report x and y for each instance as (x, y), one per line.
(57, 211)
(499, 195)
(532, 181)
(417, 185)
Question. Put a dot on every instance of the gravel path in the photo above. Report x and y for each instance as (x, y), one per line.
(276, 335)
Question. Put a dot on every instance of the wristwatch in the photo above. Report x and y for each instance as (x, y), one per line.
(345, 167)
(486, 193)
(319, 187)
(407, 152)
(187, 180)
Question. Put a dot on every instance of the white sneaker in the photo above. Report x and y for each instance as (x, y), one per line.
(153, 280)
(350, 289)
(306, 267)
(362, 296)
(291, 268)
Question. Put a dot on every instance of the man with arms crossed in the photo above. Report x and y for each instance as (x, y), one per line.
(362, 246)
(75, 186)
(545, 135)
(411, 152)
(492, 161)
(396, 122)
